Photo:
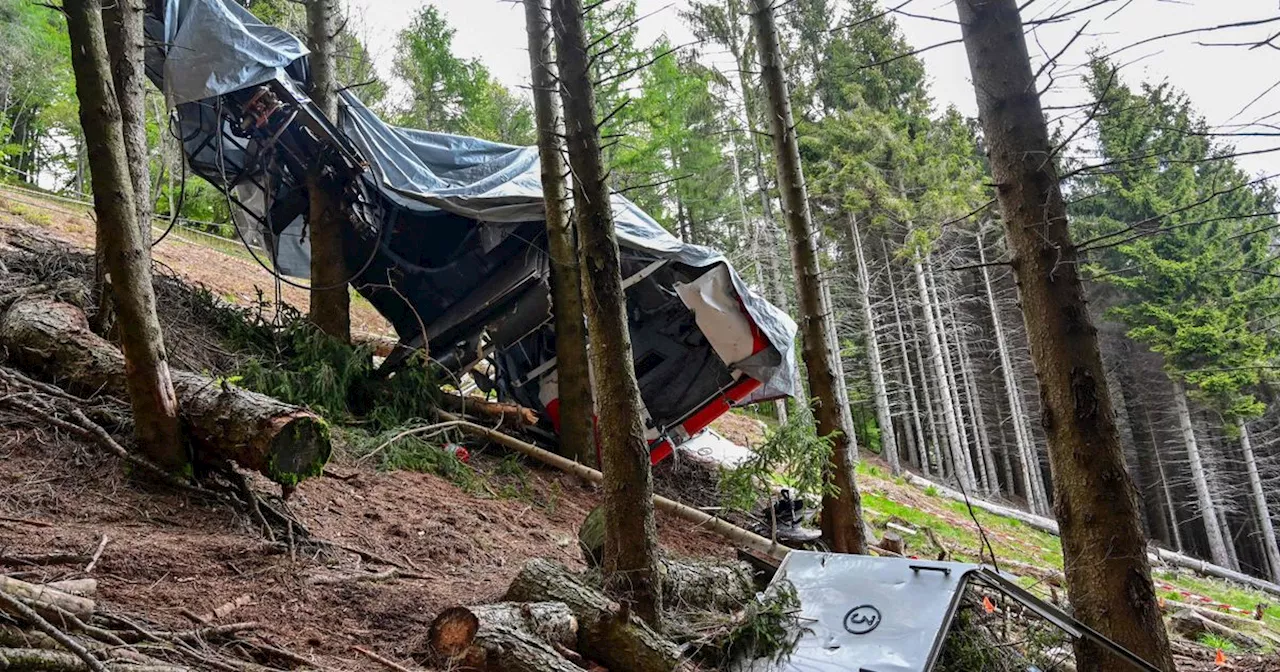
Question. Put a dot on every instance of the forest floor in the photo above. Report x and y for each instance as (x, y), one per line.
(171, 559)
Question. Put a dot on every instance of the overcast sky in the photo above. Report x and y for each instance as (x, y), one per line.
(1222, 81)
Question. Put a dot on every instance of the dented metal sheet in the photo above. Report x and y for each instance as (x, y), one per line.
(862, 613)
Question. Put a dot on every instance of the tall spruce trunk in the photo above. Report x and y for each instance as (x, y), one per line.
(577, 431)
(842, 512)
(963, 454)
(127, 255)
(1028, 469)
(631, 546)
(1105, 553)
(330, 308)
(917, 431)
(884, 417)
(985, 454)
(1199, 480)
(1260, 503)
(936, 358)
(842, 384)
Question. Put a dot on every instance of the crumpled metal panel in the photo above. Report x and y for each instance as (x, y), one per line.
(862, 613)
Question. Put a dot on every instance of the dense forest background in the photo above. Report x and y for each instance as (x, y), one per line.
(1180, 242)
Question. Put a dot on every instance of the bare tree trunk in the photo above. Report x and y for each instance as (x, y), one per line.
(842, 384)
(1260, 503)
(330, 300)
(631, 546)
(842, 513)
(122, 26)
(953, 384)
(127, 255)
(936, 356)
(1108, 574)
(922, 448)
(122, 22)
(1208, 512)
(577, 431)
(985, 455)
(1026, 448)
(884, 418)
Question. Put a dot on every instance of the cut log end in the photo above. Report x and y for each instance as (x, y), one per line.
(453, 631)
(299, 448)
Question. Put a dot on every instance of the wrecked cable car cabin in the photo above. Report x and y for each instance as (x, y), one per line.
(445, 235)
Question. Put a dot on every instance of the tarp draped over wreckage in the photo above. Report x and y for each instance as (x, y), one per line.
(446, 233)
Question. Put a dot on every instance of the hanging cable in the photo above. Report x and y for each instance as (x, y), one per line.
(231, 205)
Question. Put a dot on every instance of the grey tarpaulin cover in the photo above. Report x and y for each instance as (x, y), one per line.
(216, 47)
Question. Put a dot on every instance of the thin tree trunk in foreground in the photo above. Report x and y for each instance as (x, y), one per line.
(122, 24)
(577, 431)
(1108, 574)
(330, 309)
(888, 440)
(842, 513)
(1260, 503)
(1204, 499)
(631, 548)
(127, 255)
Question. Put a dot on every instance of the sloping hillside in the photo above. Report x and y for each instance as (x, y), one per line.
(405, 545)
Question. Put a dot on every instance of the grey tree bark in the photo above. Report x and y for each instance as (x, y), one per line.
(1260, 503)
(934, 342)
(1108, 574)
(1204, 499)
(631, 546)
(122, 23)
(923, 453)
(985, 455)
(126, 255)
(330, 309)
(841, 513)
(962, 452)
(577, 427)
(1026, 449)
(884, 418)
(842, 383)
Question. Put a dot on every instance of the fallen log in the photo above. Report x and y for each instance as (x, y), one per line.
(702, 585)
(1191, 625)
(607, 632)
(701, 519)
(510, 415)
(1050, 526)
(45, 596)
(506, 635)
(52, 340)
(58, 661)
(81, 587)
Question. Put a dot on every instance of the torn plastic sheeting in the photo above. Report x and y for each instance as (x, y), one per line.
(216, 47)
(715, 307)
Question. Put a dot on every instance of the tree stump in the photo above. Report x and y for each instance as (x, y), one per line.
(505, 636)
